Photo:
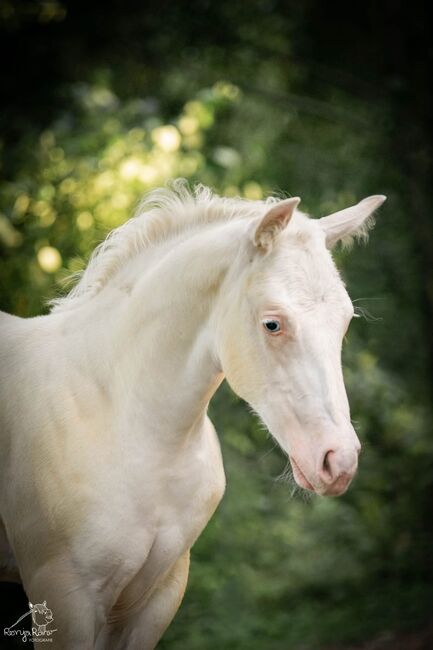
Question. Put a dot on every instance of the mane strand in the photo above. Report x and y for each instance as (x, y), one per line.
(162, 213)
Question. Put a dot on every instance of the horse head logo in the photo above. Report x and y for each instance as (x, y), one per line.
(41, 616)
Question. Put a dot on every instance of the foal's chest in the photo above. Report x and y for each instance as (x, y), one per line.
(192, 490)
(180, 491)
(174, 512)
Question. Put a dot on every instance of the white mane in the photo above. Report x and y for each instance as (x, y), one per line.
(161, 214)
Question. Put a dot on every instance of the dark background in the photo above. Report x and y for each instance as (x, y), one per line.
(100, 102)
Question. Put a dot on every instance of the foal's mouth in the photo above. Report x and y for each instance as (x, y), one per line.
(300, 477)
(335, 488)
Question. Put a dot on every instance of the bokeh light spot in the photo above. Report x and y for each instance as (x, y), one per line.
(166, 138)
(49, 259)
(84, 221)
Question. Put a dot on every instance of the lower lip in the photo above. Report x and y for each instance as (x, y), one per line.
(300, 476)
(337, 488)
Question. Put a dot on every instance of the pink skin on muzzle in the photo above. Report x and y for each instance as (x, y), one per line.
(336, 469)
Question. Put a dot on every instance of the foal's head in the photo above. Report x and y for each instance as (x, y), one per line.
(282, 325)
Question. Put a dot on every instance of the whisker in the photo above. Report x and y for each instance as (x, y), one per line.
(268, 451)
(358, 299)
(287, 477)
(362, 312)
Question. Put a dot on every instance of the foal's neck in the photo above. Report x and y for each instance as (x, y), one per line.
(160, 346)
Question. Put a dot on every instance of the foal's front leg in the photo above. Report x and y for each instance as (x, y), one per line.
(143, 630)
(77, 618)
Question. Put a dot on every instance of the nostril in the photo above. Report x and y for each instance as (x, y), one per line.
(326, 471)
(338, 465)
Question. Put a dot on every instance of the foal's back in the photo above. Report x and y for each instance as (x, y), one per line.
(20, 354)
(14, 337)
(26, 359)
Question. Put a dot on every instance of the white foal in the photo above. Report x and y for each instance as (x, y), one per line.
(110, 467)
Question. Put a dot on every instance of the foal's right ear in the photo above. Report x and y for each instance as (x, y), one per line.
(274, 221)
(351, 222)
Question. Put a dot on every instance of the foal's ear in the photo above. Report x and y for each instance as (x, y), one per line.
(274, 221)
(351, 222)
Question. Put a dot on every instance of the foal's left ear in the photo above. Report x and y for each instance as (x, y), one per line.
(350, 222)
(274, 221)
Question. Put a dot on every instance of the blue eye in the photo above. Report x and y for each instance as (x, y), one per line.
(271, 325)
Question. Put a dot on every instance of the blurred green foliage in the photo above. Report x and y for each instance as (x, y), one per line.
(274, 568)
